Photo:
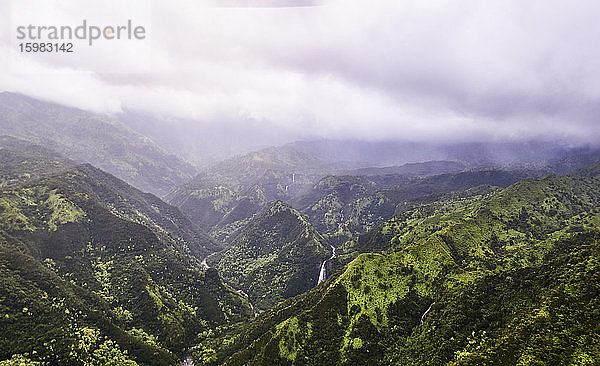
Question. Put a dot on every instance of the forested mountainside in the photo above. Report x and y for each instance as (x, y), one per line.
(22, 161)
(343, 207)
(507, 277)
(223, 197)
(284, 256)
(93, 271)
(128, 202)
(93, 138)
(276, 256)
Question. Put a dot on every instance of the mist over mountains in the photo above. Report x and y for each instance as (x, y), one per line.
(309, 252)
(95, 138)
(299, 183)
(205, 143)
(493, 71)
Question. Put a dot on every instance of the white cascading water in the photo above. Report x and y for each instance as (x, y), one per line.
(248, 298)
(426, 312)
(204, 263)
(187, 361)
(323, 273)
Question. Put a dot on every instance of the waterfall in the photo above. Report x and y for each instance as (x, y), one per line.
(187, 361)
(248, 298)
(425, 313)
(323, 272)
(204, 263)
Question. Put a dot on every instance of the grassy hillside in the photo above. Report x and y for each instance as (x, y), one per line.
(94, 271)
(510, 277)
(93, 138)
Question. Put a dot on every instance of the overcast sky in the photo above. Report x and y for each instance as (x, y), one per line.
(419, 70)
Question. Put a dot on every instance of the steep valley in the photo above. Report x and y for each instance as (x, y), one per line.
(277, 256)
(299, 183)
(95, 271)
(281, 257)
(481, 281)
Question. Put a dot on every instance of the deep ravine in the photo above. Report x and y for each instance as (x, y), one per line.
(205, 264)
(248, 298)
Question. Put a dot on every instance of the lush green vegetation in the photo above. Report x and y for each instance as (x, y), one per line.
(508, 277)
(224, 197)
(278, 255)
(343, 207)
(22, 161)
(479, 267)
(95, 272)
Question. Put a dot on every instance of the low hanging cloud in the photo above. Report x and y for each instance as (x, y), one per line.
(418, 70)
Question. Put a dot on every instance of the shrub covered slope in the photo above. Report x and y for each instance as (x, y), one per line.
(93, 271)
(278, 255)
(509, 277)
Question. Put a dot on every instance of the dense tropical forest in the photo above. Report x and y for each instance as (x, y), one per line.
(287, 255)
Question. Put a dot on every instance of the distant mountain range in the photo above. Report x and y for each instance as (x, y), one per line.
(93, 138)
(393, 153)
(222, 198)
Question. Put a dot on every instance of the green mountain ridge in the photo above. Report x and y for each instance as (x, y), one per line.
(486, 260)
(22, 162)
(130, 203)
(276, 256)
(225, 197)
(508, 277)
(343, 207)
(95, 271)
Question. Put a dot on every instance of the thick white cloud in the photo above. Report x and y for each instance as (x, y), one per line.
(422, 70)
